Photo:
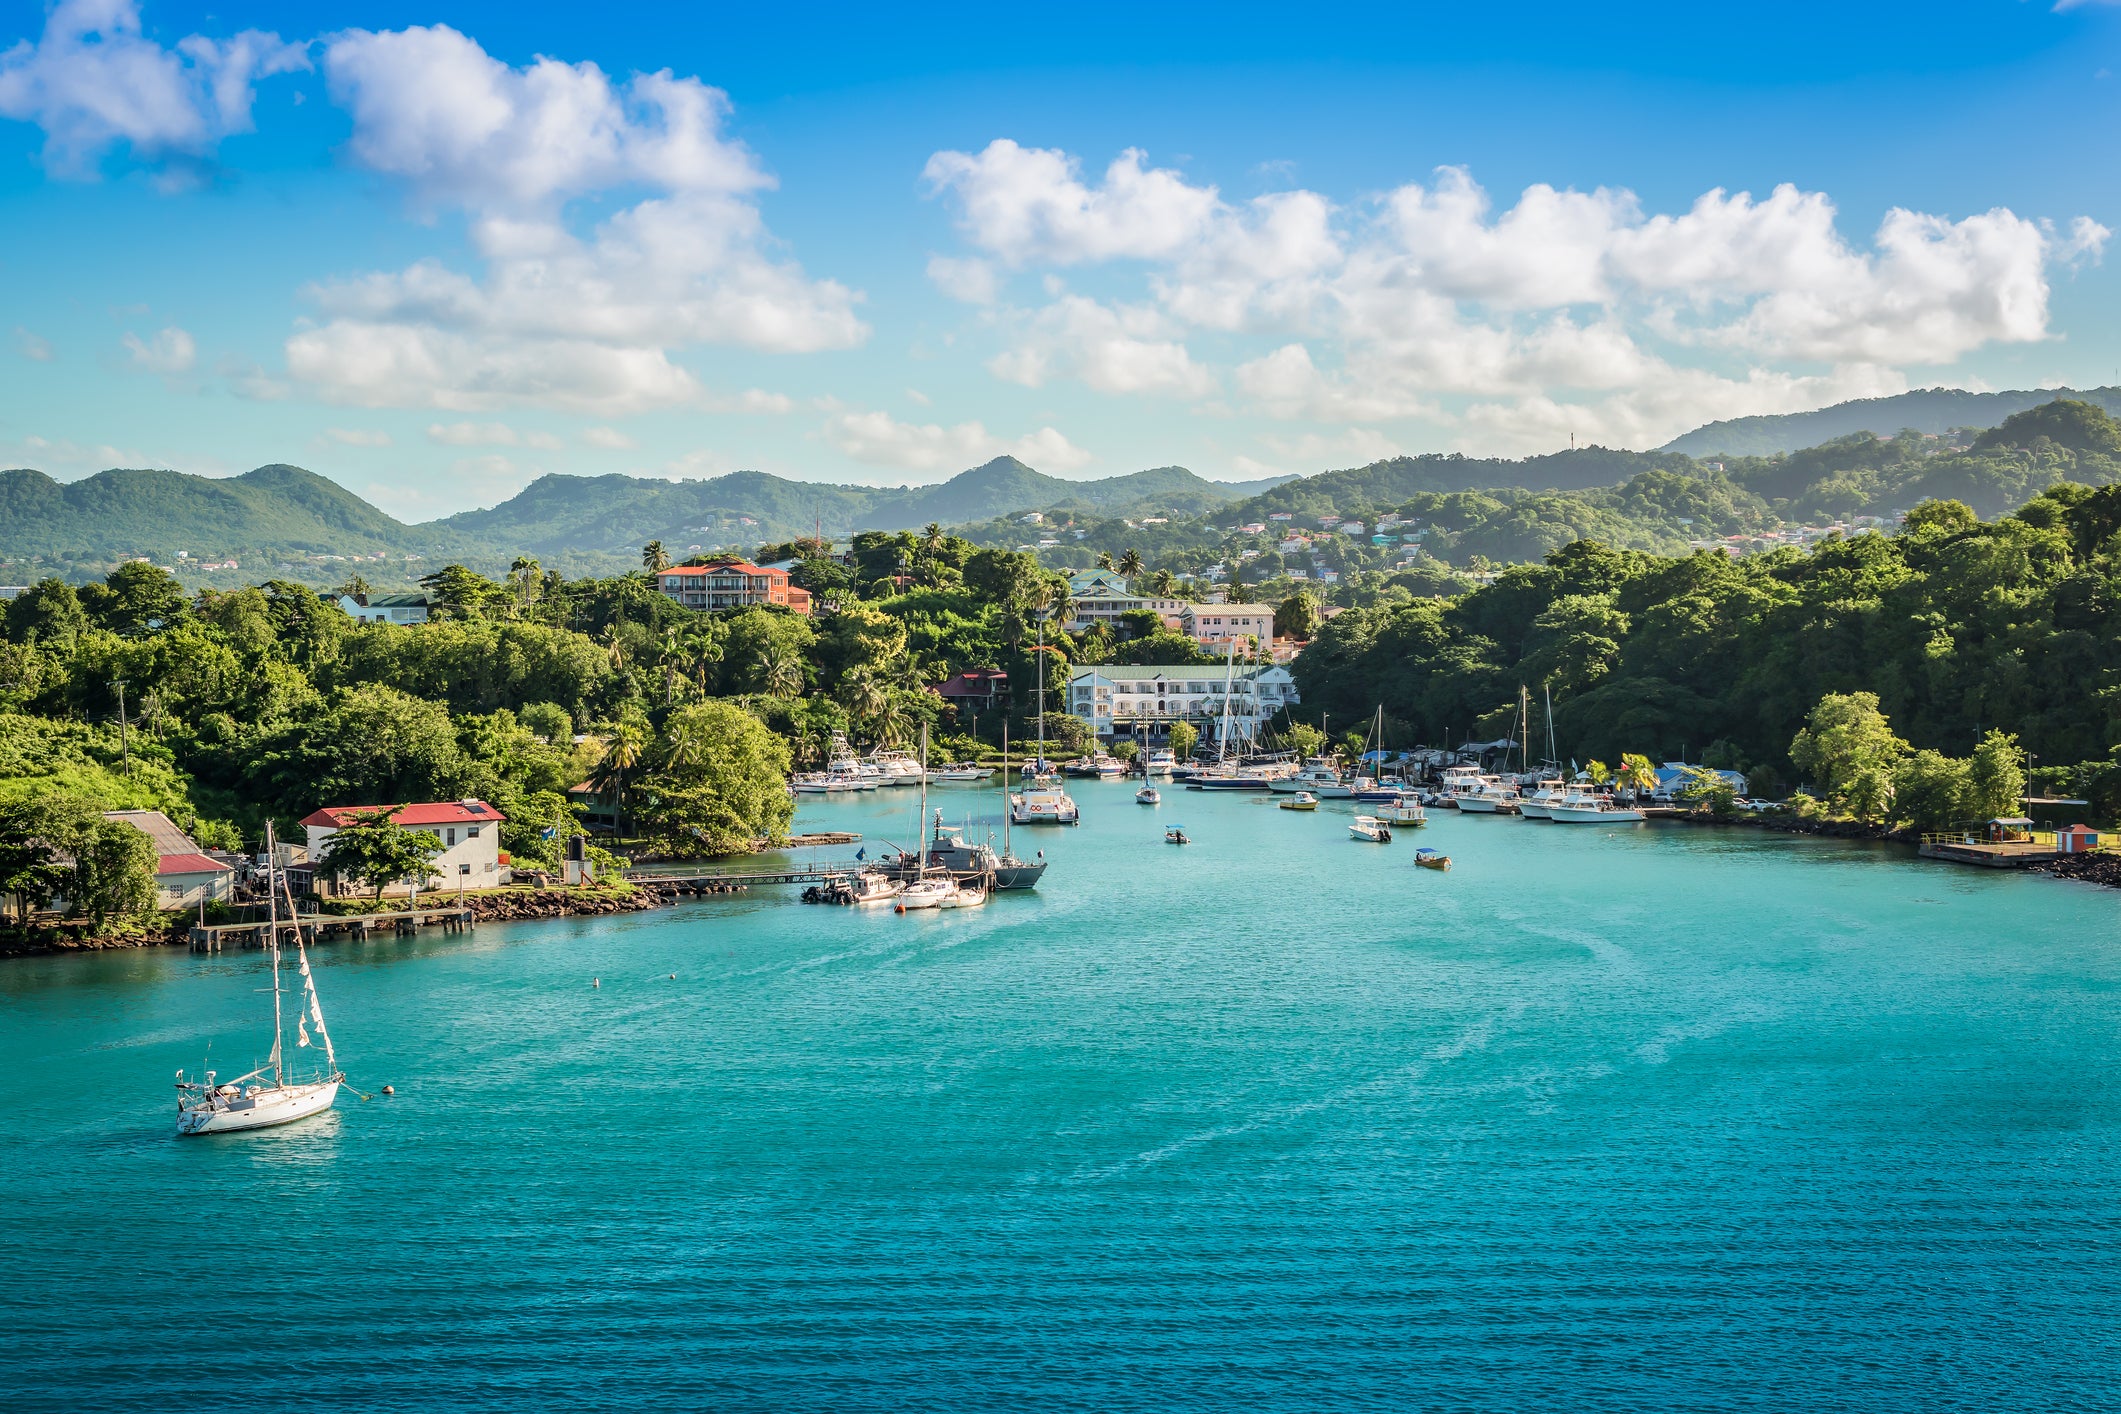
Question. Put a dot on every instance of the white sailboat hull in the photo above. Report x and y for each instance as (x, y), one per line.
(267, 1107)
(1575, 815)
(1478, 805)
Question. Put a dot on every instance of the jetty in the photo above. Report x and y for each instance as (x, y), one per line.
(402, 922)
(722, 881)
(2006, 843)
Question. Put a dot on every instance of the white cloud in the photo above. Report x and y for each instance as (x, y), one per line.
(882, 440)
(33, 347)
(971, 281)
(169, 353)
(1429, 295)
(1114, 350)
(488, 434)
(93, 82)
(589, 323)
(358, 436)
(609, 438)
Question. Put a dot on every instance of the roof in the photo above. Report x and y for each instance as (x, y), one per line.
(721, 567)
(1206, 672)
(1198, 609)
(441, 812)
(170, 864)
(397, 601)
(168, 839)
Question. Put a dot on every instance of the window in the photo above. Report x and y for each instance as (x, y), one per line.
(463, 868)
(452, 838)
(472, 833)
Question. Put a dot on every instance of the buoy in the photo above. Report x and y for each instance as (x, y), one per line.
(596, 982)
(390, 1089)
(673, 977)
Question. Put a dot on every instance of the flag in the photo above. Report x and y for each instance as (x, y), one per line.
(862, 853)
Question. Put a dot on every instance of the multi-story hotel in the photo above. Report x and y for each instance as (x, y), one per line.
(1122, 701)
(731, 584)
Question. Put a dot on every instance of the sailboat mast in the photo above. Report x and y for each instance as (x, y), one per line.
(1042, 694)
(272, 929)
(1553, 752)
(924, 800)
(1008, 813)
(1222, 754)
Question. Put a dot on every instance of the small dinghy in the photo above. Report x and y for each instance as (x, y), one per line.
(1148, 795)
(1430, 859)
(1303, 800)
(1177, 835)
(1370, 829)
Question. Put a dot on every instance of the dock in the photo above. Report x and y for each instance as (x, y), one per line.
(1986, 854)
(403, 922)
(728, 881)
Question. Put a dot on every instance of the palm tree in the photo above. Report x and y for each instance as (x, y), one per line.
(703, 649)
(1636, 773)
(670, 656)
(1599, 772)
(862, 695)
(614, 647)
(353, 588)
(780, 673)
(525, 573)
(1063, 607)
(654, 558)
(1104, 559)
(892, 725)
(932, 540)
(1164, 584)
(1130, 564)
(624, 743)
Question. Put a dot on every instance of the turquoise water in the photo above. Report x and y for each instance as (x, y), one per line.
(1604, 1119)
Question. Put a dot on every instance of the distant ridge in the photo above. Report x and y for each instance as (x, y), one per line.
(1924, 410)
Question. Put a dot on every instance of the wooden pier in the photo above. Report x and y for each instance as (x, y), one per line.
(404, 923)
(1999, 854)
(721, 882)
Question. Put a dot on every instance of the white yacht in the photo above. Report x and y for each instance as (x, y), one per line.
(962, 773)
(1582, 806)
(268, 1095)
(1534, 802)
(1370, 828)
(1320, 777)
(1044, 804)
(925, 893)
(1161, 762)
(894, 768)
(1488, 795)
(964, 896)
(1406, 812)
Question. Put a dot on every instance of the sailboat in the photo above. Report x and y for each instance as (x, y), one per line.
(1042, 801)
(214, 1106)
(1224, 774)
(1009, 871)
(923, 891)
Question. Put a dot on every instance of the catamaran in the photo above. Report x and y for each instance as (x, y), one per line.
(214, 1106)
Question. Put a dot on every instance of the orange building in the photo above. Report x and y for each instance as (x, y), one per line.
(731, 584)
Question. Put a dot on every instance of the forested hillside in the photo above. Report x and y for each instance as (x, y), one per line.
(1932, 410)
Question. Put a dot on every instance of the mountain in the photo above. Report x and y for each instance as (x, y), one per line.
(1394, 480)
(117, 513)
(284, 516)
(1925, 410)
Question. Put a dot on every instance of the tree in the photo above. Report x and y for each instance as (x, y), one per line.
(1071, 733)
(454, 592)
(1598, 772)
(624, 744)
(1304, 739)
(548, 720)
(33, 833)
(1104, 559)
(1940, 518)
(1163, 584)
(724, 784)
(527, 575)
(780, 672)
(1709, 791)
(352, 587)
(49, 611)
(1296, 617)
(1930, 790)
(1636, 773)
(140, 598)
(1850, 749)
(654, 558)
(1995, 777)
(862, 695)
(114, 872)
(1184, 736)
(1130, 564)
(373, 849)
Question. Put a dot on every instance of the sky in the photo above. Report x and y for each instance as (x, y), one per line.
(434, 253)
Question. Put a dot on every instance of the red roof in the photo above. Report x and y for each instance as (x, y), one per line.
(442, 812)
(188, 864)
(724, 567)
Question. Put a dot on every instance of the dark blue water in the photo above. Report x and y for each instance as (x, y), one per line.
(1604, 1119)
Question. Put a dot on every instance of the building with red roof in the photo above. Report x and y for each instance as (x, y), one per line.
(470, 831)
(731, 584)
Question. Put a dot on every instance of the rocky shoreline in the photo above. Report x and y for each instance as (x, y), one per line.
(2099, 868)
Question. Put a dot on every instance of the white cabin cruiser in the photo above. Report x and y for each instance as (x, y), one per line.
(1584, 807)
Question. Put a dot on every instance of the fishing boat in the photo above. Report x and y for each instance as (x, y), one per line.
(965, 772)
(1533, 804)
(1406, 812)
(1302, 800)
(894, 768)
(1585, 807)
(1371, 829)
(1148, 795)
(269, 1095)
(1488, 795)
(1177, 835)
(1431, 859)
(873, 886)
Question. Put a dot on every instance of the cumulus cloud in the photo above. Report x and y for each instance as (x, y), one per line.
(358, 436)
(969, 281)
(93, 82)
(882, 440)
(169, 353)
(33, 347)
(589, 321)
(1430, 303)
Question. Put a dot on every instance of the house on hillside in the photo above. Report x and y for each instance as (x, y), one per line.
(974, 690)
(1143, 701)
(185, 875)
(731, 582)
(1217, 625)
(470, 831)
(385, 608)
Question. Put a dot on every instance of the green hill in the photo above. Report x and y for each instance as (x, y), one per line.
(1925, 410)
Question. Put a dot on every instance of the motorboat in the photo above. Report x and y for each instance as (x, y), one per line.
(1584, 807)
(1302, 800)
(1319, 777)
(1488, 795)
(1371, 829)
(1406, 812)
(1431, 859)
(873, 886)
(1534, 802)
(1366, 791)
(1043, 805)
(1148, 795)
(1177, 835)
(1227, 778)
(964, 896)
(270, 1095)
(966, 772)
(1160, 762)
(894, 768)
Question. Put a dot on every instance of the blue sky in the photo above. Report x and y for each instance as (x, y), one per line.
(434, 253)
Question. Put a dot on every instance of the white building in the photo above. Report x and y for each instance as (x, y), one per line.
(1101, 596)
(1215, 625)
(1122, 701)
(185, 875)
(385, 608)
(470, 831)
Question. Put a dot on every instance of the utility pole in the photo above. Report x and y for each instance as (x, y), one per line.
(124, 738)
